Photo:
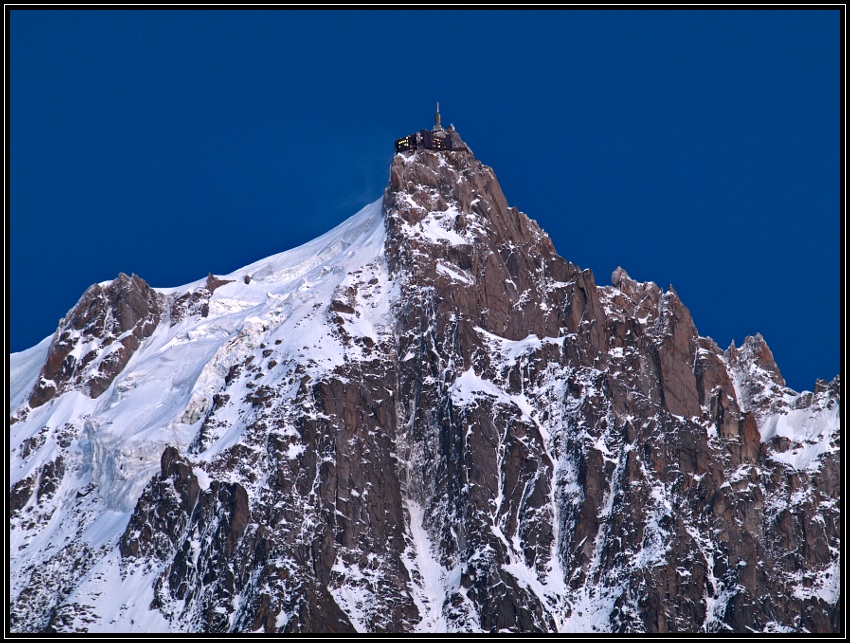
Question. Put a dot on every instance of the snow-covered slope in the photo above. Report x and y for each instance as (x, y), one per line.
(113, 444)
(24, 368)
(424, 420)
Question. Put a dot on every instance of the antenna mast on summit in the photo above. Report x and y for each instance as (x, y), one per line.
(437, 120)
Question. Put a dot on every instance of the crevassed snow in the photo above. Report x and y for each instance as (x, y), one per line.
(163, 394)
(168, 385)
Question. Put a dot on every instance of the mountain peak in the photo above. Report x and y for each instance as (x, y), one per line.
(98, 337)
(424, 420)
(449, 223)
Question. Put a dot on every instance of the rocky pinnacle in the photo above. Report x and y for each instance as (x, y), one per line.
(481, 438)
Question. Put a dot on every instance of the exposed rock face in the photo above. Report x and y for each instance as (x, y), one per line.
(471, 435)
(98, 337)
(196, 302)
(202, 537)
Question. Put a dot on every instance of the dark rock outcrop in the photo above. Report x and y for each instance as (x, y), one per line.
(205, 537)
(98, 337)
(512, 448)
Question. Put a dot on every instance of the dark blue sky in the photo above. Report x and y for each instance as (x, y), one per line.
(698, 148)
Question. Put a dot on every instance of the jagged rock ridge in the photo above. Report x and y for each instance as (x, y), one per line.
(425, 420)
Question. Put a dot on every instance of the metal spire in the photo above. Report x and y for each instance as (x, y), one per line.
(437, 122)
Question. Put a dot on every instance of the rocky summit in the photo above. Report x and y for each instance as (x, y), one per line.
(425, 420)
